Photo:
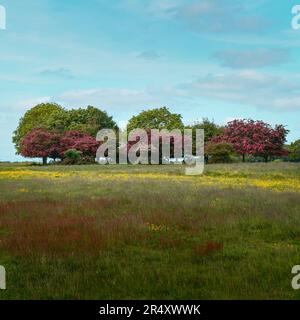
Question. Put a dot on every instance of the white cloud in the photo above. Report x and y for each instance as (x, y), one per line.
(148, 55)
(28, 103)
(250, 88)
(258, 58)
(220, 16)
(247, 87)
(205, 15)
(109, 97)
(57, 73)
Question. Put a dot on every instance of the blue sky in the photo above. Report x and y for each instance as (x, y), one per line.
(220, 59)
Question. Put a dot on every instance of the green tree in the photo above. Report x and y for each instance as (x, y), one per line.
(39, 116)
(220, 152)
(211, 129)
(89, 120)
(160, 118)
(53, 117)
(294, 151)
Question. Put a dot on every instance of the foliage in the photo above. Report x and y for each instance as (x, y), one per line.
(160, 118)
(211, 129)
(255, 138)
(79, 141)
(38, 117)
(47, 144)
(89, 120)
(72, 156)
(220, 152)
(55, 118)
(40, 143)
(294, 149)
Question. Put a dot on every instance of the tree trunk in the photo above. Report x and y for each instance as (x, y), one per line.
(244, 158)
(44, 161)
(266, 159)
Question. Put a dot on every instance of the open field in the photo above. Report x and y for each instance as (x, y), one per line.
(136, 232)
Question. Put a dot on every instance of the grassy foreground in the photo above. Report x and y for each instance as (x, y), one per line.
(149, 232)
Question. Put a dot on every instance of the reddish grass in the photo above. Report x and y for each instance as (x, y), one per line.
(50, 206)
(64, 228)
(208, 248)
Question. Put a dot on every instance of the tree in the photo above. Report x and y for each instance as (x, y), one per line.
(255, 138)
(220, 152)
(160, 118)
(80, 141)
(55, 118)
(39, 116)
(294, 154)
(211, 129)
(89, 120)
(40, 143)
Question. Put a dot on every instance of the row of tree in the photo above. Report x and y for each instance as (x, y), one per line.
(50, 131)
(70, 146)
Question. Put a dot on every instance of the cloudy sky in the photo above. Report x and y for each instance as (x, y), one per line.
(220, 59)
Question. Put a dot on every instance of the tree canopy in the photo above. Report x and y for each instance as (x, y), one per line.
(48, 130)
(53, 117)
(211, 129)
(38, 117)
(160, 118)
(255, 138)
(295, 151)
(89, 120)
(40, 143)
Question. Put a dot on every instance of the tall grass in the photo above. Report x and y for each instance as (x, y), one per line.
(117, 232)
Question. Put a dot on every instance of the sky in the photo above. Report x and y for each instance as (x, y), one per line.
(220, 59)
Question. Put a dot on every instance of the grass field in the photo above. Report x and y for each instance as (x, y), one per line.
(149, 232)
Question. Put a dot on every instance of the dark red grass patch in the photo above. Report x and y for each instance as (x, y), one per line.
(50, 206)
(208, 248)
(64, 228)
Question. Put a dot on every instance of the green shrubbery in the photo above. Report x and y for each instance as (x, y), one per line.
(72, 156)
(220, 153)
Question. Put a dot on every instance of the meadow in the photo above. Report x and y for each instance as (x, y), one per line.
(149, 232)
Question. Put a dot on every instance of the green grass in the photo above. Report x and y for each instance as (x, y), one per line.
(149, 232)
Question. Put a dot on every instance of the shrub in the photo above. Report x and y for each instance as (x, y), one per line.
(80, 141)
(222, 152)
(295, 151)
(72, 156)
